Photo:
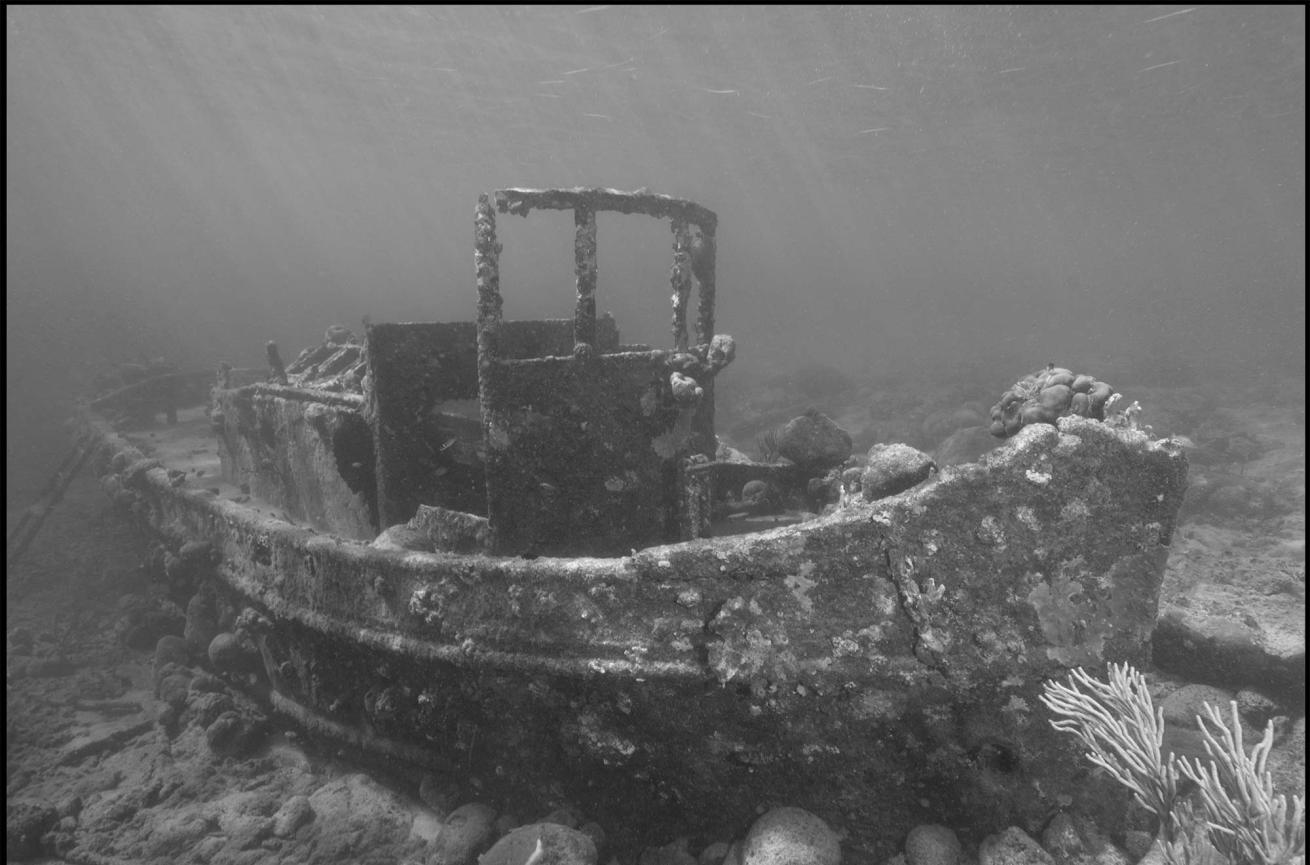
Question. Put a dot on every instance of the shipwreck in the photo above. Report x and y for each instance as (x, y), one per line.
(496, 548)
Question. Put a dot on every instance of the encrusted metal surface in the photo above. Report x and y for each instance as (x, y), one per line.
(884, 660)
(306, 451)
(427, 434)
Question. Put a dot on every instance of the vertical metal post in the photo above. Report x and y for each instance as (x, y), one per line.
(486, 262)
(584, 261)
(705, 266)
(680, 281)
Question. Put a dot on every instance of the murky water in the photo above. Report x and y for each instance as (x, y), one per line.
(917, 206)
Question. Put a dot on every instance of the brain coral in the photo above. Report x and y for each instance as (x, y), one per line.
(1045, 395)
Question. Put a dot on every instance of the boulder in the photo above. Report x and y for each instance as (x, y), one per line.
(229, 654)
(465, 833)
(790, 836)
(931, 844)
(813, 442)
(894, 468)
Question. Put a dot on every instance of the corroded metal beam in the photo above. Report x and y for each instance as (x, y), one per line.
(344, 399)
(703, 264)
(486, 262)
(680, 282)
(521, 201)
(584, 260)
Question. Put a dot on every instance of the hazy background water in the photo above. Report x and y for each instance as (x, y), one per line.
(900, 189)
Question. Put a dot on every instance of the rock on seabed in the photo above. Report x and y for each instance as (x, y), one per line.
(790, 836)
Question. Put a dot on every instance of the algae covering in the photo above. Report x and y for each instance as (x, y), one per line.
(879, 666)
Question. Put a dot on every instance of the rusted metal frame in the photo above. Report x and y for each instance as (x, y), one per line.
(335, 362)
(680, 281)
(486, 263)
(705, 276)
(585, 202)
(305, 394)
(311, 357)
(521, 201)
(584, 262)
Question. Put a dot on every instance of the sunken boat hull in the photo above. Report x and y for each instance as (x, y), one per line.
(879, 665)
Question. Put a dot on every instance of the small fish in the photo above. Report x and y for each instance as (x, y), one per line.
(537, 854)
(1158, 66)
(447, 444)
(1169, 15)
(722, 92)
(868, 87)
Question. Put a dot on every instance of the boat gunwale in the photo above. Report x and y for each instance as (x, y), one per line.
(243, 525)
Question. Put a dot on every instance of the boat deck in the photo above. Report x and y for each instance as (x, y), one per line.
(189, 452)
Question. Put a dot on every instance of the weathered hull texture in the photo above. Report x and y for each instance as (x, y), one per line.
(880, 666)
(306, 452)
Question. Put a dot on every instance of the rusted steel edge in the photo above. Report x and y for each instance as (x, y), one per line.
(680, 282)
(708, 280)
(305, 394)
(486, 263)
(520, 201)
(584, 262)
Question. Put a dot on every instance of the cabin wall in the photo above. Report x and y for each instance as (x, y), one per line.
(428, 454)
(583, 456)
(312, 459)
